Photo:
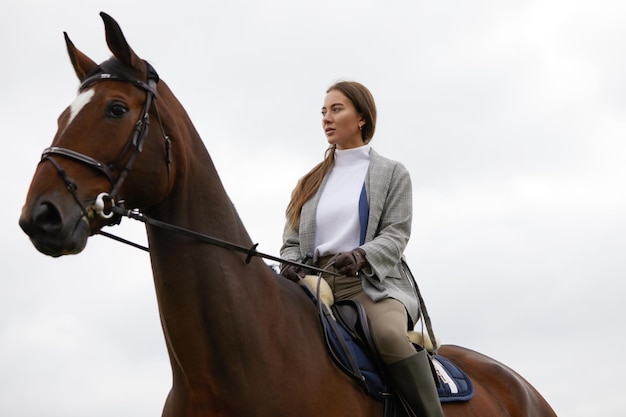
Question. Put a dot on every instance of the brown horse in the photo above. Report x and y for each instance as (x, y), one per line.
(242, 341)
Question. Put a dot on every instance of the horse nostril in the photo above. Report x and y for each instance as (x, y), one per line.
(47, 218)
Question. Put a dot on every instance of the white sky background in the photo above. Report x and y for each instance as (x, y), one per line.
(510, 116)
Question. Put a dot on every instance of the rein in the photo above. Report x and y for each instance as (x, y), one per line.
(250, 252)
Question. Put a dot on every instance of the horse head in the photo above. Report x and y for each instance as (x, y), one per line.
(103, 152)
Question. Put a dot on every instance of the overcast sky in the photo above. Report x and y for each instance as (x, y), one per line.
(509, 115)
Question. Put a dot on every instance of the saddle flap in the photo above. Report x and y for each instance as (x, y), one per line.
(352, 316)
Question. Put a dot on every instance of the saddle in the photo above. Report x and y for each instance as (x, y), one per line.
(348, 340)
(351, 347)
(453, 385)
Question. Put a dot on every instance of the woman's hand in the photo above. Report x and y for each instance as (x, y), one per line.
(349, 263)
(292, 272)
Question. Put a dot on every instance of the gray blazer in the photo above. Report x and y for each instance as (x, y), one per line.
(389, 193)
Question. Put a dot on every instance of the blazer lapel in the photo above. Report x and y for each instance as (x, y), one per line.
(375, 184)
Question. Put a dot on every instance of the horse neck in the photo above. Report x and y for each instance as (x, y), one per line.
(197, 200)
(204, 291)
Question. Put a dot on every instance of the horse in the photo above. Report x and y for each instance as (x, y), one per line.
(241, 340)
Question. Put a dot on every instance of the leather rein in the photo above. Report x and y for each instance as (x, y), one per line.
(108, 204)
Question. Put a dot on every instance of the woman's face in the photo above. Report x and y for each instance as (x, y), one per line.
(341, 121)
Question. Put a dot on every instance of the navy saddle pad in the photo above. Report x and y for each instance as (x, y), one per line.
(454, 384)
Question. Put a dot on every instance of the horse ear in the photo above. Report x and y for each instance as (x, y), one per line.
(118, 45)
(82, 64)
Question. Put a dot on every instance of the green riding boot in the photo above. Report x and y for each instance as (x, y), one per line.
(414, 381)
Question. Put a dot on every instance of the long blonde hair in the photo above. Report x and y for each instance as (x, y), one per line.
(308, 185)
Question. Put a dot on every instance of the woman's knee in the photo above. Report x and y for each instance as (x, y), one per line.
(390, 336)
(388, 328)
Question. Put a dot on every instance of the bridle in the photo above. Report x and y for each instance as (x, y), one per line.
(104, 201)
(106, 205)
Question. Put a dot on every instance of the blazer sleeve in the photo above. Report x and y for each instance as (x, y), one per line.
(290, 249)
(385, 244)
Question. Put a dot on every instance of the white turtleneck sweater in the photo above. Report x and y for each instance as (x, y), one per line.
(338, 227)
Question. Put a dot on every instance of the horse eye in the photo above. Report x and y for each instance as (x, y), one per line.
(117, 110)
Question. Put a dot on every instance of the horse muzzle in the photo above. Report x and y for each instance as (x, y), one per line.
(53, 231)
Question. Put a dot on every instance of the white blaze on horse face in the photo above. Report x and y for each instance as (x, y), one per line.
(81, 100)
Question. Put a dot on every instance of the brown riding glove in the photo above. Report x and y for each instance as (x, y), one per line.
(292, 272)
(349, 263)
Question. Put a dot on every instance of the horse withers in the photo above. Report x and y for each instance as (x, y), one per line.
(127, 143)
